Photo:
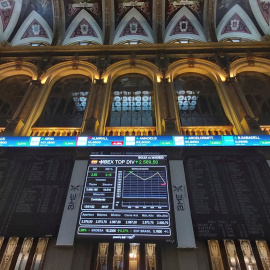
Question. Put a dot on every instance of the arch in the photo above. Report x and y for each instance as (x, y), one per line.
(133, 13)
(211, 70)
(36, 18)
(184, 11)
(55, 73)
(13, 68)
(198, 101)
(251, 33)
(67, 68)
(255, 87)
(66, 102)
(83, 15)
(12, 91)
(131, 101)
(140, 66)
(257, 65)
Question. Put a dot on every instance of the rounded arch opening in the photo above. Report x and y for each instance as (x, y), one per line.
(198, 101)
(131, 101)
(12, 91)
(66, 102)
(255, 87)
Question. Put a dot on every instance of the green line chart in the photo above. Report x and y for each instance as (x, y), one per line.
(145, 182)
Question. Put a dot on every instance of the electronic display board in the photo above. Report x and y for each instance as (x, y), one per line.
(137, 141)
(33, 187)
(125, 197)
(229, 196)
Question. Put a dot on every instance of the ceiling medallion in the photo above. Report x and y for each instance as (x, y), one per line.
(36, 29)
(183, 26)
(235, 24)
(5, 4)
(133, 27)
(84, 29)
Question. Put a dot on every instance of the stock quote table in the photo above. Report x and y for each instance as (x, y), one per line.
(125, 197)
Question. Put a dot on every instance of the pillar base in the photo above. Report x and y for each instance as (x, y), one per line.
(252, 126)
(90, 126)
(169, 125)
(13, 127)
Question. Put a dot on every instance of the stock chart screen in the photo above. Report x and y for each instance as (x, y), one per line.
(125, 197)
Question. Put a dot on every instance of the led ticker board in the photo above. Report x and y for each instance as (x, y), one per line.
(136, 141)
(125, 197)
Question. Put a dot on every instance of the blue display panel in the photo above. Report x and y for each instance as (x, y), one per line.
(125, 197)
(135, 141)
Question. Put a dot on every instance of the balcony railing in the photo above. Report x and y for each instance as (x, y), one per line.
(43, 131)
(207, 130)
(130, 131)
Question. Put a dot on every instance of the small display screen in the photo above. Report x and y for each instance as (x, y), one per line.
(125, 197)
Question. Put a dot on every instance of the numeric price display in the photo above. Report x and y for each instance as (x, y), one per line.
(125, 197)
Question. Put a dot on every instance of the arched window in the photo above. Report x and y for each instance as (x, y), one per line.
(256, 88)
(198, 101)
(132, 102)
(66, 103)
(12, 91)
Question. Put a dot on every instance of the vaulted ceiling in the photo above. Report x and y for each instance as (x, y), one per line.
(65, 22)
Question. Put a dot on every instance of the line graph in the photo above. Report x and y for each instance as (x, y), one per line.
(144, 179)
(144, 182)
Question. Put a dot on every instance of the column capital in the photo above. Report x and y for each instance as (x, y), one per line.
(164, 80)
(99, 81)
(36, 83)
(230, 80)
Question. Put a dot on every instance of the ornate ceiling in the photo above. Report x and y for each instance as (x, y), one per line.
(54, 22)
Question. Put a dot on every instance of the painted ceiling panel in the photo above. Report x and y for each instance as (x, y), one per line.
(184, 26)
(265, 10)
(35, 29)
(133, 28)
(234, 25)
(73, 7)
(223, 6)
(122, 7)
(44, 8)
(84, 29)
(172, 7)
(6, 11)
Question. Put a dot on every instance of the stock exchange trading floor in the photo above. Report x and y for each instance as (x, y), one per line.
(156, 209)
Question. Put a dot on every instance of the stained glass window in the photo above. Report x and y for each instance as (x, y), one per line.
(198, 101)
(132, 101)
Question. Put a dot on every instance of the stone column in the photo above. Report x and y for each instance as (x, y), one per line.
(247, 119)
(22, 113)
(167, 107)
(93, 113)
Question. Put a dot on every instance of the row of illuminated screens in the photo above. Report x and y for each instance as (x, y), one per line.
(135, 141)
